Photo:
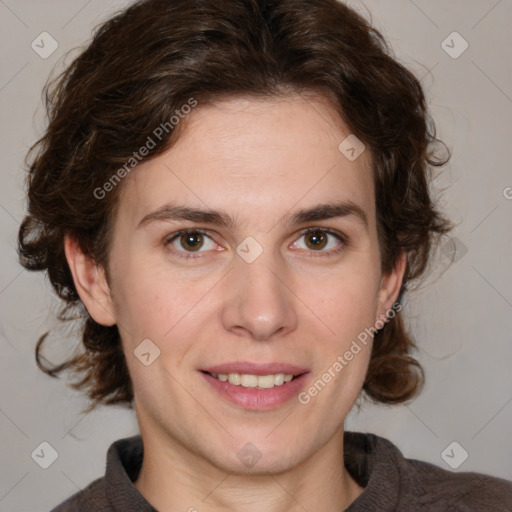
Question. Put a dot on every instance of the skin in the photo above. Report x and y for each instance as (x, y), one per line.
(258, 160)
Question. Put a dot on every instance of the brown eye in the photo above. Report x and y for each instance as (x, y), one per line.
(316, 240)
(322, 242)
(191, 241)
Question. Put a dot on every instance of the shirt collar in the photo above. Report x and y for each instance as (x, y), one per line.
(124, 460)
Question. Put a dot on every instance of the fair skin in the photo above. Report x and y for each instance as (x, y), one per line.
(259, 161)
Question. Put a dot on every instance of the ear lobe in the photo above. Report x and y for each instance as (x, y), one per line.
(391, 284)
(90, 283)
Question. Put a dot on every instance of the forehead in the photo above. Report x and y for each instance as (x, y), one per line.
(255, 158)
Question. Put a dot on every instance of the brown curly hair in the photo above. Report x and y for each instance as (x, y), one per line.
(148, 60)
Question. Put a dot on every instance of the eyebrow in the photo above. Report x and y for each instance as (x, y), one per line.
(170, 212)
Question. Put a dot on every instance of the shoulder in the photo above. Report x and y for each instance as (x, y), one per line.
(395, 483)
(463, 491)
(115, 490)
(92, 497)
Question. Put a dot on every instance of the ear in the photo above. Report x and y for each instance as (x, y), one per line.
(90, 283)
(390, 285)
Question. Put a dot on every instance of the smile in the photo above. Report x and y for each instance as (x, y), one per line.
(256, 392)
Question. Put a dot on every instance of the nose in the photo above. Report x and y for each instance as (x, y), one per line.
(258, 301)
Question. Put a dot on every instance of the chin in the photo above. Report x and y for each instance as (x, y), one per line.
(260, 456)
(267, 464)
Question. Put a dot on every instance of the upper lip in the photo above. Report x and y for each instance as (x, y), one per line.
(249, 368)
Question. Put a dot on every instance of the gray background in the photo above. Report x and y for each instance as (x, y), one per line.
(460, 315)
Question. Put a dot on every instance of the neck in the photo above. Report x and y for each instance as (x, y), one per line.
(173, 478)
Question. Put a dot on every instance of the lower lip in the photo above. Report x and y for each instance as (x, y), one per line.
(257, 399)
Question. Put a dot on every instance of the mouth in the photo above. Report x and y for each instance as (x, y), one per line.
(256, 387)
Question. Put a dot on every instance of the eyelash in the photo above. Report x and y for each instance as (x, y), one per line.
(322, 254)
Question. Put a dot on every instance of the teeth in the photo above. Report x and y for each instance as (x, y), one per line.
(234, 378)
(254, 381)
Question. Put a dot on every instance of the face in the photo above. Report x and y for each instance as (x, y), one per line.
(265, 280)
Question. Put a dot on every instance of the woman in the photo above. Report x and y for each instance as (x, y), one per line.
(237, 192)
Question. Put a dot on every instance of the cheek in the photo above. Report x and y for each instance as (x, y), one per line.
(348, 305)
(143, 303)
(346, 302)
(153, 309)
(158, 304)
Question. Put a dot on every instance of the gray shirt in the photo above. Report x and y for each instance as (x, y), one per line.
(391, 482)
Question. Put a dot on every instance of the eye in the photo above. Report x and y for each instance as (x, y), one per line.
(321, 240)
(189, 241)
